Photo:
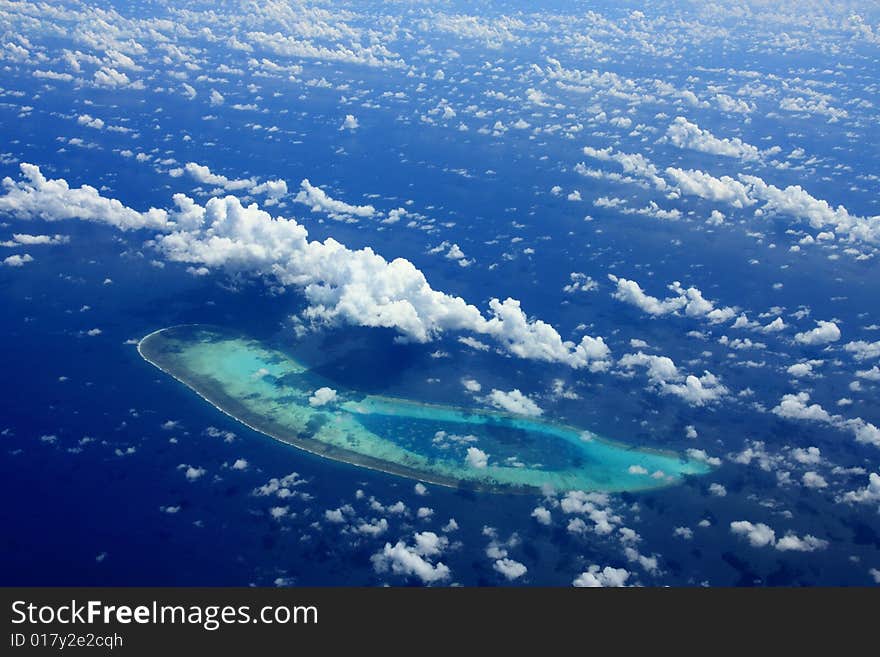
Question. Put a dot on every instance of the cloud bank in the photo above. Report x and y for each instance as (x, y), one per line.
(342, 285)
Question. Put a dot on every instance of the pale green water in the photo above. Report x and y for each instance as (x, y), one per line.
(269, 391)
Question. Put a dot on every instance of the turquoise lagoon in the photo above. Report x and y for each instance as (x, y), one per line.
(268, 390)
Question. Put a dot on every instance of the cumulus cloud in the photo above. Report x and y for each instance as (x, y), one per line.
(322, 397)
(824, 333)
(542, 515)
(350, 123)
(797, 202)
(476, 458)
(514, 402)
(684, 134)
(24, 239)
(319, 201)
(18, 260)
(634, 164)
(814, 480)
(192, 473)
(665, 375)
(725, 189)
(797, 406)
(341, 284)
(758, 535)
(471, 385)
(862, 350)
(792, 543)
(743, 191)
(689, 300)
(509, 568)
(596, 577)
(360, 286)
(413, 560)
(112, 79)
(35, 197)
(872, 374)
(867, 495)
(203, 174)
(273, 189)
(595, 507)
(90, 121)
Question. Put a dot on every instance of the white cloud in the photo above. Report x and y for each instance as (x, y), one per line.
(703, 457)
(824, 333)
(632, 163)
(718, 490)
(684, 134)
(814, 480)
(797, 407)
(596, 577)
(697, 183)
(350, 123)
(471, 385)
(35, 240)
(273, 189)
(800, 370)
(319, 201)
(797, 202)
(868, 494)
(192, 473)
(509, 568)
(373, 528)
(342, 284)
(358, 286)
(809, 456)
(322, 397)
(35, 197)
(690, 300)
(111, 78)
(737, 105)
(473, 343)
(862, 350)
(476, 458)
(430, 544)
(631, 292)
(663, 373)
(792, 543)
(203, 174)
(17, 260)
(758, 535)
(412, 561)
(514, 402)
(580, 283)
(90, 121)
(542, 515)
(354, 52)
(872, 374)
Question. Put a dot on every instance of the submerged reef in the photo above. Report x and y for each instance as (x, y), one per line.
(269, 391)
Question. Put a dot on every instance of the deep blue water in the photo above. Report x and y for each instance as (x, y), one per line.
(93, 513)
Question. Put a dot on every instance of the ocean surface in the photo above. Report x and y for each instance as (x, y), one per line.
(113, 472)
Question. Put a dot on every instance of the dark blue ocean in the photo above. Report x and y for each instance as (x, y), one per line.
(94, 437)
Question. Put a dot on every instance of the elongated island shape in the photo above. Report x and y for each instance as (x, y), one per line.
(267, 390)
